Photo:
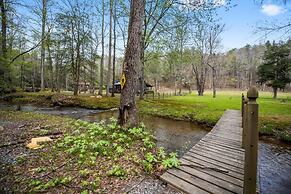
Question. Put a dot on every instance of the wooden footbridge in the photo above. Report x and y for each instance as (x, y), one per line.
(225, 160)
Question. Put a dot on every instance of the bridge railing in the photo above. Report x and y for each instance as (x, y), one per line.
(250, 137)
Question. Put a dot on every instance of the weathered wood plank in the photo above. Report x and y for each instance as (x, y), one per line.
(228, 170)
(226, 176)
(212, 179)
(227, 141)
(219, 152)
(217, 157)
(182, 185)
(225, 150)
(220, 143)
(216, 163)
(198, 182)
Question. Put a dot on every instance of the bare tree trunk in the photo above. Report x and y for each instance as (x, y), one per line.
(4, 74)
(43, 24)
(57, 76)
(78, 66)
(200, 80)
(57, 82)
(114, 49)
(3, 29)
(275, 91)
(110, 46)
(128, 109)
(141, 79)
(142, 59)
(50, 62)
(214, 82)
(21, 76)
(102, 52)
(66, 82)
(156, 85)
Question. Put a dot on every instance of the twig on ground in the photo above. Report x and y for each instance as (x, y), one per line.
(134, 186)
(48, 173)
(12, 143)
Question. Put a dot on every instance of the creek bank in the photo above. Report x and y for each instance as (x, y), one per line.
(62, 100)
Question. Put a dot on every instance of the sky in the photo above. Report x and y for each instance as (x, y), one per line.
(242, 20)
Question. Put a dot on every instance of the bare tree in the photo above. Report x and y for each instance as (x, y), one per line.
(43, 25)
(102, 51)
(114, 48)
(200, 64)
(213, 43)
(110, 47)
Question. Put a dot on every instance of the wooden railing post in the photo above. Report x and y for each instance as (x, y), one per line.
(163, 96)
(251, 142)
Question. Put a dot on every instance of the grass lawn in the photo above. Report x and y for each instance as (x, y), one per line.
(275, 115)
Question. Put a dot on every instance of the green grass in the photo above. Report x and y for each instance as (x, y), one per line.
(275, 114)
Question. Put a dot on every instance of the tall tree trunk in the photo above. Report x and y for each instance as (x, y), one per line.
(110, 47)
(21, 76)
(57, 82)
(43, 24)
(141, 79)
(33, 78)
(275, 90)
(3, 56)
(102, 52)
(3, 29)
(78, 66)
(114, 48)
(128, 109)
(50, 62)
(214, 82)
(142, 59)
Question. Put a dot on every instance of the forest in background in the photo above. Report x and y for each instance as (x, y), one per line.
(62, 45)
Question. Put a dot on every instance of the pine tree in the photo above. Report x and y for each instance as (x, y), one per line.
(275, 70)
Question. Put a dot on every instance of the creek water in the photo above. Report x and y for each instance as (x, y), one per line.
(274, 167)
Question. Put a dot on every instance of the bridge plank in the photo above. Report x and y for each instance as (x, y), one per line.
(226, 176)
(181, 184)
(216, 163)
(198, 182)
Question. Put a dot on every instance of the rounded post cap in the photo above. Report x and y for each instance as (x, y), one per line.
(252, 92)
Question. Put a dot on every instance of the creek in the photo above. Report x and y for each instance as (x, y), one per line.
(274, 166)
